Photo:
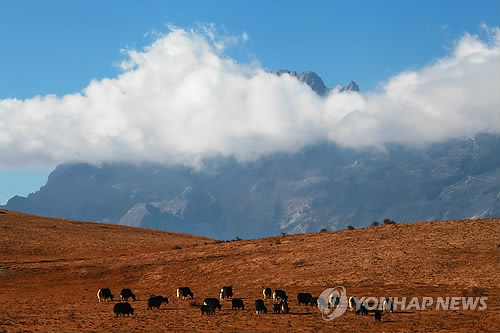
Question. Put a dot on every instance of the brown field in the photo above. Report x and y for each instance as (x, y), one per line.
(50, 271)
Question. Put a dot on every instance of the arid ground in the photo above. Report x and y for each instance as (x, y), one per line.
(50, 271)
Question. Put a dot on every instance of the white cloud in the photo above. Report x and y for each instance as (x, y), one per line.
(181, 100)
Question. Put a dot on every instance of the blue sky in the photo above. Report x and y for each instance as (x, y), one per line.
(58, 47)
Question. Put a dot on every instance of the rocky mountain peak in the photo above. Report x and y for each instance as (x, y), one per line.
(308, 77)
(351, 86)
(286, 71)
(315, 82)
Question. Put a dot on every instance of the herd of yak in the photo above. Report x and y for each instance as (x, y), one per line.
(210, 305)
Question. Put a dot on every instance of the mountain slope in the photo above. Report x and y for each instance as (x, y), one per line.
(321, 186)
(55, 290)
(316, 83)
(25, 237)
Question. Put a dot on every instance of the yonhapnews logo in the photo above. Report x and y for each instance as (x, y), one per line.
(333, 303)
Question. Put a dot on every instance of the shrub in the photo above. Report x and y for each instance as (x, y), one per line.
(350, 227)
(299, 263)
(375, 223)
(323, 230)
(476, 291)
(237, 239)
(389, 221)
(72, 315)
(283, 234)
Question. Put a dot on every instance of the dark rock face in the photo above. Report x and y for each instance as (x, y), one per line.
(351, 86)
(315, 82)
(320, 186)
(310, 78)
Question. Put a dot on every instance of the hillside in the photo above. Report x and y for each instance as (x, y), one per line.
(26, 236)
(51, 269)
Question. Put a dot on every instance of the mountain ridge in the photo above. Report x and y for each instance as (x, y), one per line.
(320, 186)
(323, 186)
(316, 83)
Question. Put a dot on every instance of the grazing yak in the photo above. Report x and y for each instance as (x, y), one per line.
(281, 307)
(267, 292)
(237, 303)
(304, 298)
(155, 301)
(284, 307)
(207, 309)
(184, 292)
(226, 292)
(353, 303)
(260, 307)
(104, 294)
(323, 303)
(362, 309)
(214, 302)
(123, 309)
(387, 305)
(313, 301)
(279, 295)
(126, 293)
(333, 300)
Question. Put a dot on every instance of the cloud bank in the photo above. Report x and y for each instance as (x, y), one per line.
(181, 100)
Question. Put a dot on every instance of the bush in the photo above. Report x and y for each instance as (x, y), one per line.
(375, 223)
(237, 239)
(284, 234)
(72, 315)
(389, 221)
(350, 227)
(476, 291)
(323, 230)
(299, 263)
